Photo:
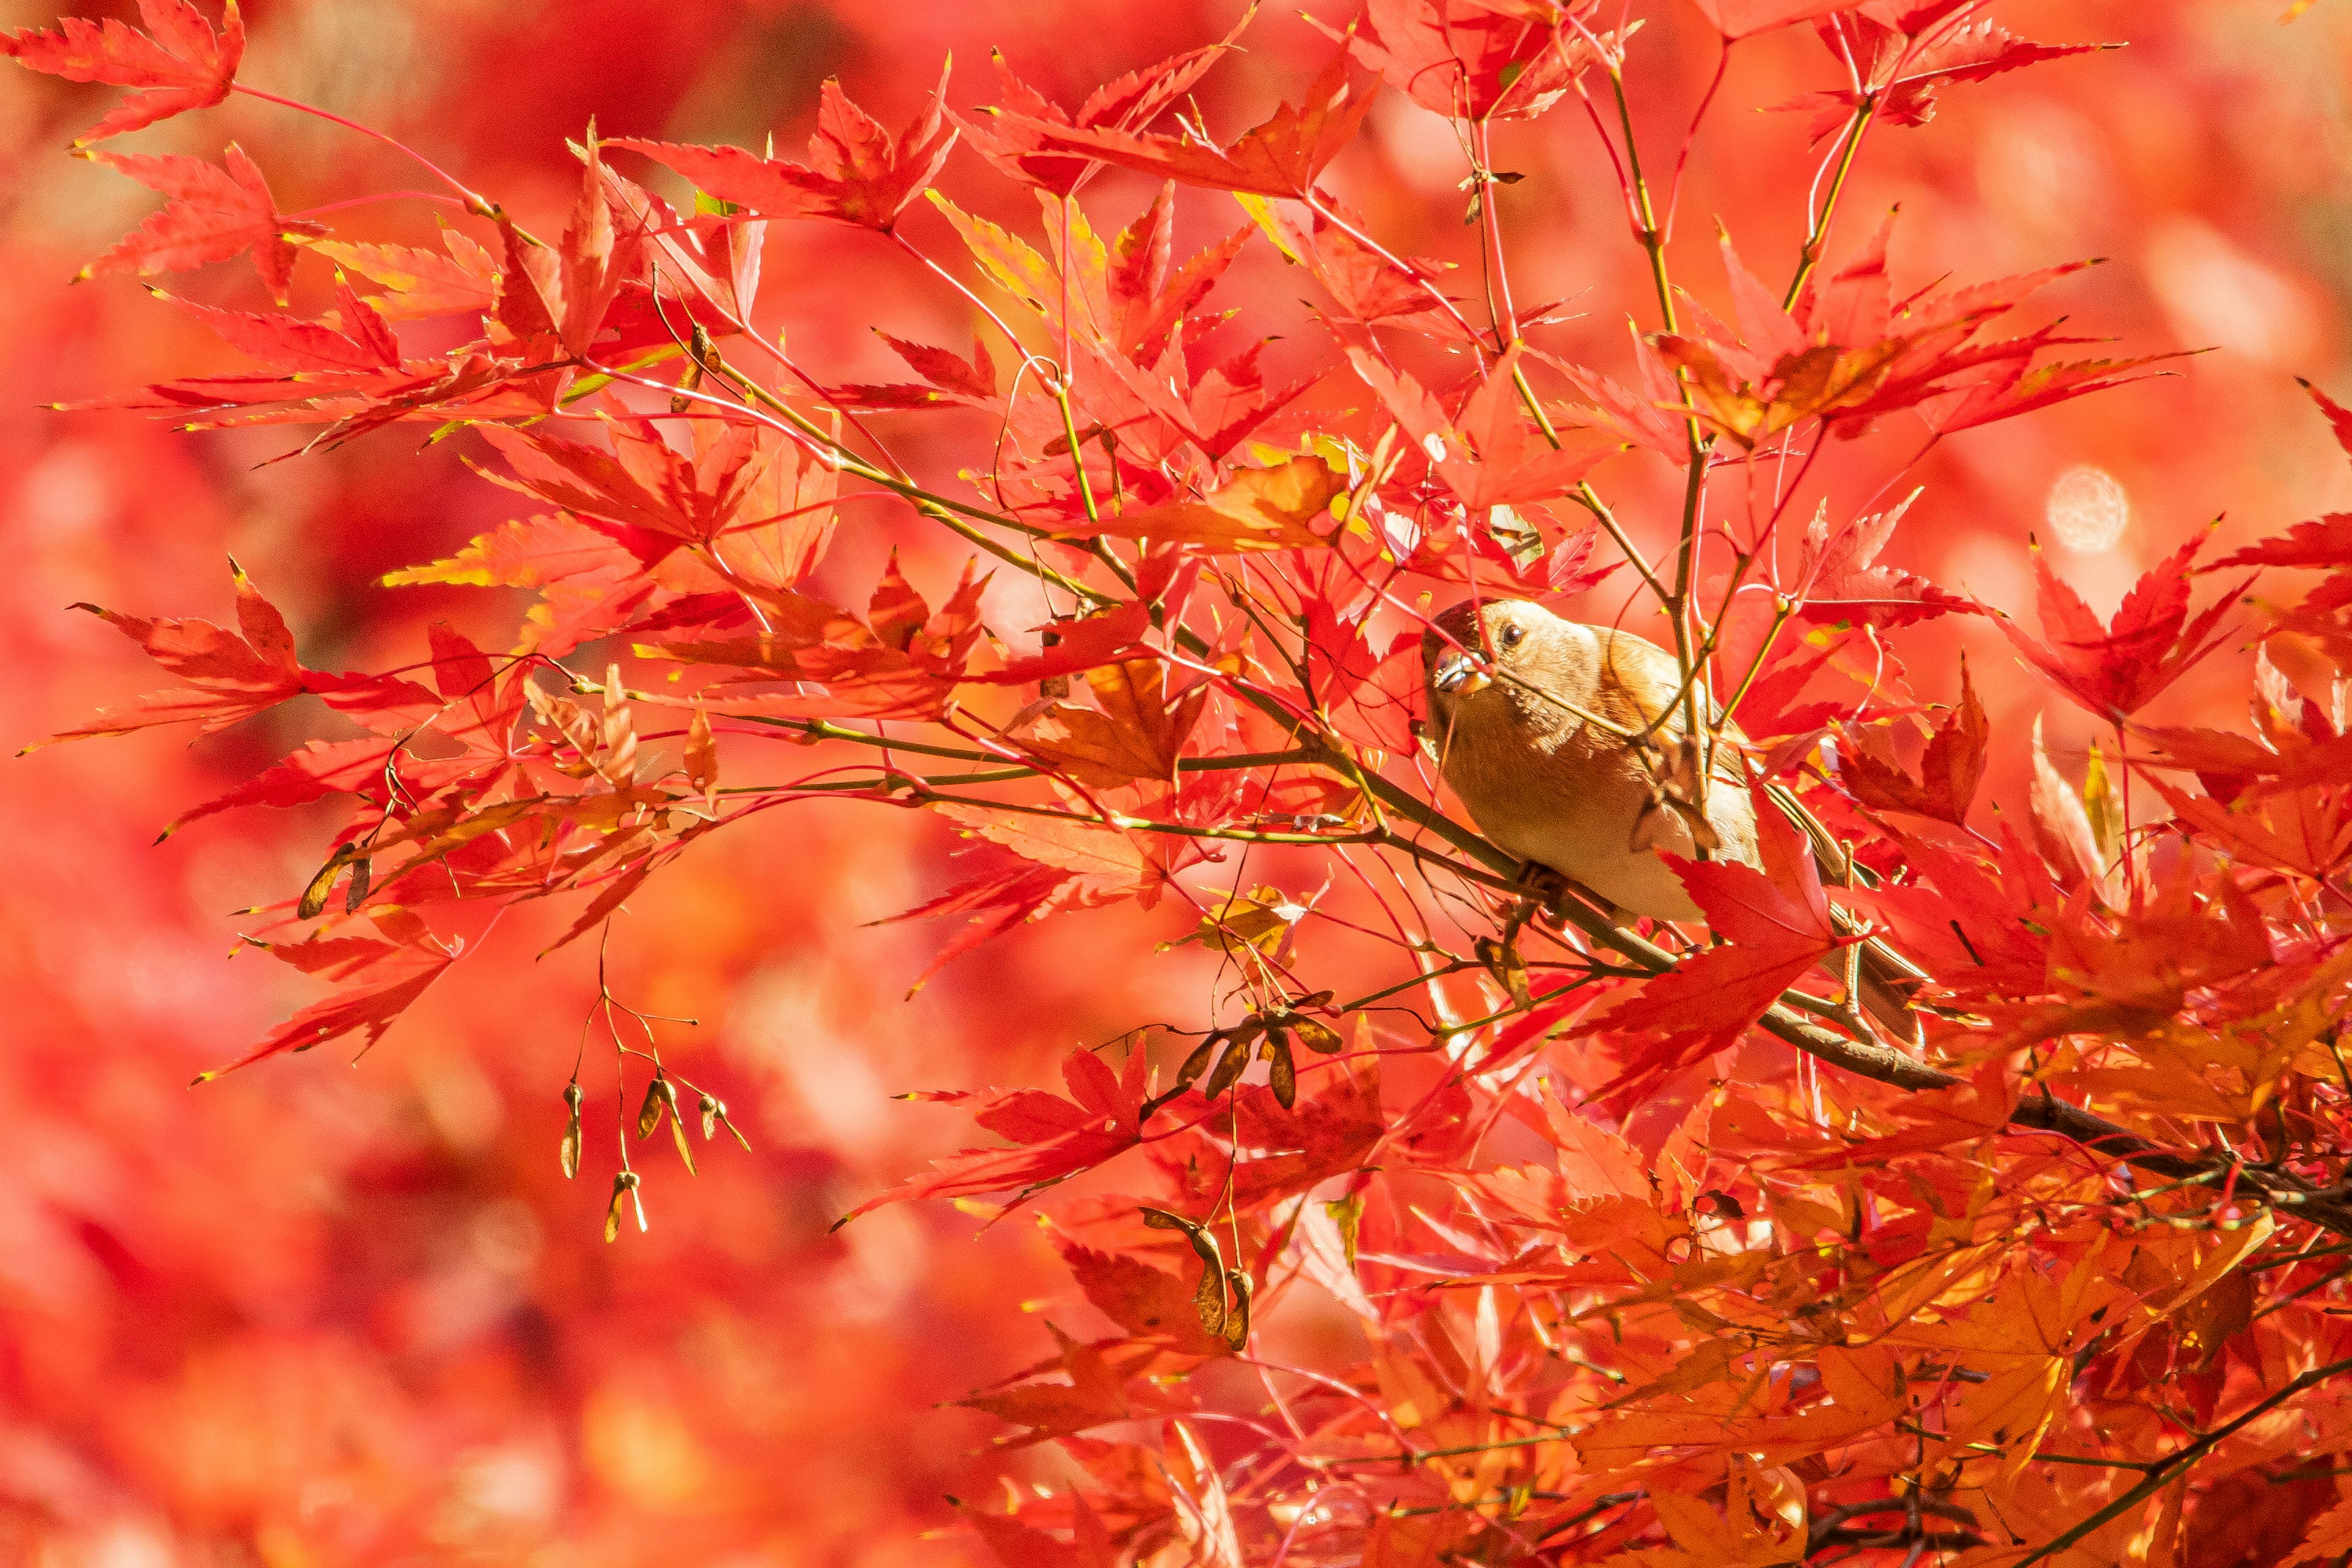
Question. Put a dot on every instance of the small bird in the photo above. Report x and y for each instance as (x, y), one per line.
(1551, 732)
(1548, 784)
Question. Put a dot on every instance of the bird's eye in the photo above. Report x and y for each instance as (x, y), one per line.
(1511, 636)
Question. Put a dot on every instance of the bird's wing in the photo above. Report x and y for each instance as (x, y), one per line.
(1638, 679)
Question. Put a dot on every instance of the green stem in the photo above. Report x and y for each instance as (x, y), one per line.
(1590, 500)
(1078, 458)
(1654, 243)
(1145, 825)
(2171, 1466)
(1810, 257)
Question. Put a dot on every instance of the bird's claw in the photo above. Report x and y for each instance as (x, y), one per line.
(1544, 894)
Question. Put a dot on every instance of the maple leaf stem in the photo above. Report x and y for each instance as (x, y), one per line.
(374, 200)
(1654, 243)
(1234, 763)
(1126, 824)
(1498, 298)
(1705, 651)
(1428, 285)
(957, 516)
(1454, 967)
(1534, 405)
(1560, 1435)
(1818, 230)
(475, 203)
(1078, 450)
(1698, 115)
(1679, 605)
(2162, 1472)
(822, 729)
(1654, 246)
(957, 284)
(1590, 500)
(886, 782)
(2324, 1280)
(1781, 613)
(945, 515)
(1607, 1502)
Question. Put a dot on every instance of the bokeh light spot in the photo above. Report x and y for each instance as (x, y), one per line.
(2087, 510)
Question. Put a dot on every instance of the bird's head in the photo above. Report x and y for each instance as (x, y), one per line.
(1482, 651)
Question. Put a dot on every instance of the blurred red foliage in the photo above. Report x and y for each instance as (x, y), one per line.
(310, 1315)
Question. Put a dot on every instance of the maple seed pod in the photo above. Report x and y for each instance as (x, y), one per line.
(1208, 1300)
(1229, 1067)
(710, 1110)
(676, 1124)
(624, 1184)
(1282, 1077)
(733, 1130)
(1197, 1063)
(1237, 1320)
(1319, 1037)
(649, 1113)
(314, 897)
(356, 893)
(570, 1150)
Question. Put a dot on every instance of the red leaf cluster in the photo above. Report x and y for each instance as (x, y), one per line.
(1963, 1181)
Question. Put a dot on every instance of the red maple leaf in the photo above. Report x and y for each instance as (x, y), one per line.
(1491, 455)
(1838, 581)
(2323, 541)
(950, 379)
(1148, 1302)
(216, 212)
(1774, 925)
(1980, 929)
(379, 981)
(1335, 1128)
(1053, 1138)
(183, 64)
(467, 703)
(901, 661)
(1847, 352)
(2307, 830)
(1365, 285)
(1109, 637)
(1903, 65)
(461, 279)
(1471, 60)
(1950, 772)
(1281, 157)
(356, 339)
(578, 283)
(643, 481)
(1011, 141)
(857, 173)
(1742, 19)
(2114, 670)
(229, 677)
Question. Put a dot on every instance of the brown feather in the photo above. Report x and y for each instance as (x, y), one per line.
(1514, 694)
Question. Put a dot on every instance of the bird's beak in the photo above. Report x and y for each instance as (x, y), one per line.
(1457, 673)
